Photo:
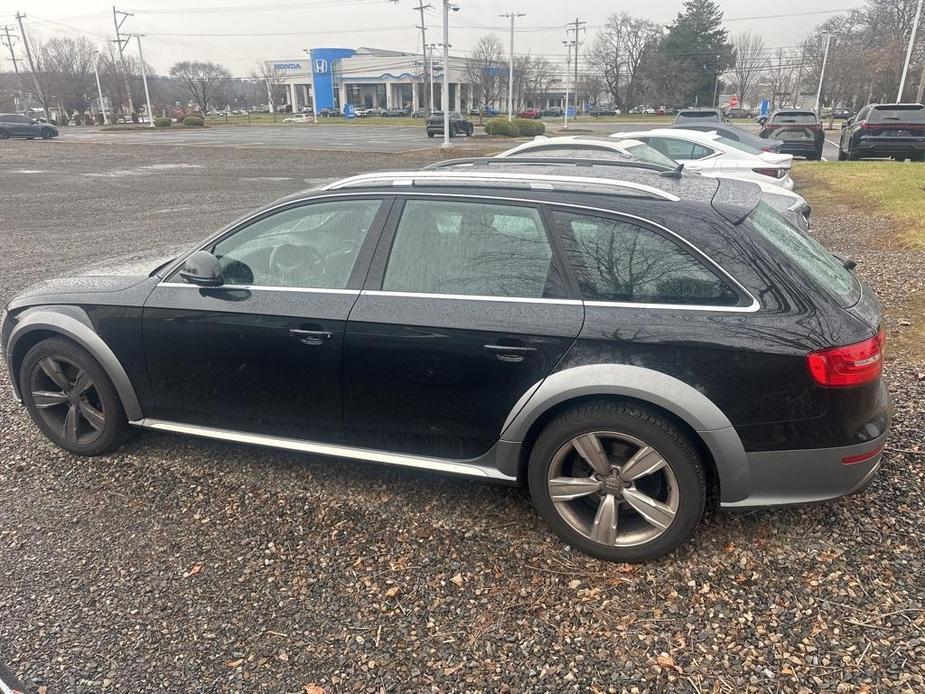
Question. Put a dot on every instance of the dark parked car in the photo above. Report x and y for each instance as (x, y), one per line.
(459, 125)
(801, 132)
(885, 130)
(734, 133)
(700, 115)
(622, 349)
(13, 125)
(602, 111)
(552, 112)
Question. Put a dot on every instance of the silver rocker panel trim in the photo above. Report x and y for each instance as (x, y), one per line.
(469, 468)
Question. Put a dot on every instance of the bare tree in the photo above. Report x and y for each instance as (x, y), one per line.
(485, 70)
(68, 67)
(781, 76)
(272, 78)
(616, 54)
(750, 62)
(203, 80)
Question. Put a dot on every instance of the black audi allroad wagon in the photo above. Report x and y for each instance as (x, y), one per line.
(623, 346)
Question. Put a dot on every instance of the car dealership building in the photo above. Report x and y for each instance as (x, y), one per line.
(368, 78)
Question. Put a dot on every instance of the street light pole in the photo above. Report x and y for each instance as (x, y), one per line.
(99, 88)
(915, 27)
(445, 97)
(311, 66)
(825, 58)
(430, 69)
(144, 79)
(568, 65)
(510, 80)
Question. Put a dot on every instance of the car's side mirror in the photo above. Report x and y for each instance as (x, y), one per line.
(202, 268)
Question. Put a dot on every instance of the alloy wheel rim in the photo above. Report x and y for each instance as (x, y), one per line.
(67, 400)
(613, 489)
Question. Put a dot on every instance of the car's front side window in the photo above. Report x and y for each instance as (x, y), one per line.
(619, 261)
(310, 246)
(471, 249)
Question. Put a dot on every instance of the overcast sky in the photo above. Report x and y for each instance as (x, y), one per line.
(237, 33)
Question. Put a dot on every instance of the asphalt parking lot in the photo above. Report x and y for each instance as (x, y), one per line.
(344, 137)
(183, 565)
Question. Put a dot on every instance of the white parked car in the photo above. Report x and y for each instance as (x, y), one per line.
(577, 147)
(711, 154)
(300, 118)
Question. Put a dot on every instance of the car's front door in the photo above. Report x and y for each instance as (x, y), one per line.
(262, 352)
(18, 126)
(464, 311)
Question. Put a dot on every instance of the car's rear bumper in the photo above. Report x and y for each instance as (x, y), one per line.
(882, 146)
(806, 476)
(800, 148)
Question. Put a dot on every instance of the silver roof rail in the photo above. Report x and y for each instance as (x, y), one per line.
(537, 181)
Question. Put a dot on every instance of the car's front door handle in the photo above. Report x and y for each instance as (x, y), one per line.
(510, 353)
(311, 337)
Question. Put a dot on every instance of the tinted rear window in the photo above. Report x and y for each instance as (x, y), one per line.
(796, 117)
(699, 115)
(899, 114)
(806, 253)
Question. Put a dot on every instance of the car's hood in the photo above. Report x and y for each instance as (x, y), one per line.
(113, 275)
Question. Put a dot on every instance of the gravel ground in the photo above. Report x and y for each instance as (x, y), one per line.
(184, 565)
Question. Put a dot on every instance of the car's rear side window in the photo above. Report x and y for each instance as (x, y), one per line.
(806, 253)
(472, 249)
(900, 113)
(619, 261)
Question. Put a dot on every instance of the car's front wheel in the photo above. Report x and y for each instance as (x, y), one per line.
(71, 399)
(618, 481)
(47, 133)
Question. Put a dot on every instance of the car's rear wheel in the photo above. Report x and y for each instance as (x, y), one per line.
(47, 133)
(617, 481)
(71, 399)
(4, 135)
(919, 156)
(842, 156)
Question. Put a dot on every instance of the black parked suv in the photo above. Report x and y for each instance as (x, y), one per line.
(622, 346)
(459, 124)
(801, 132)
(885, 130)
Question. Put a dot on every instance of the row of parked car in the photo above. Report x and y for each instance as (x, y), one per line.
(877, 130)
(626, 325)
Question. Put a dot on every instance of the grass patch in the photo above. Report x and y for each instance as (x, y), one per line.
(885, 188)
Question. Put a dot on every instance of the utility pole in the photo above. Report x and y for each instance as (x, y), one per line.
(796, 91)
(144, 79)
(35, 75)
(825, 58)
(510, 80)
(576, 27)
(915, 28)
(99, 88)
(122, 43)
(445, 97)
(428, 64)
(9, 44)
(568, 64)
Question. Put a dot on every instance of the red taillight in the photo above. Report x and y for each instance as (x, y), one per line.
(862, 457)
(767, 149)
(773, 173)
(851, 365)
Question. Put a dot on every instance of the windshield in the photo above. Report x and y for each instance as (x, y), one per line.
(650, 154)
(741, 146)
(807, 254)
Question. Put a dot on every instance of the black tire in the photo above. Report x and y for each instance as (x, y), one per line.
(816, 156)
(4, 135)
(47, 133)
(842, 156)
(101, 395)
(920, 156)
(649, 427)
(430, 134)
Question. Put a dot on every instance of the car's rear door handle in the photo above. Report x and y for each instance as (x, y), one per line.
(311, 337)
(510, 353)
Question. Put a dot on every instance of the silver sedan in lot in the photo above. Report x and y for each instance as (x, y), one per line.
(13, 125)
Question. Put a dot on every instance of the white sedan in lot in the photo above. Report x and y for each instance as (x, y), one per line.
(712, 154)
(578, 147)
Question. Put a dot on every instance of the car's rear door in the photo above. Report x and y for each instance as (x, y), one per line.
(262, 352)
(465, 309)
